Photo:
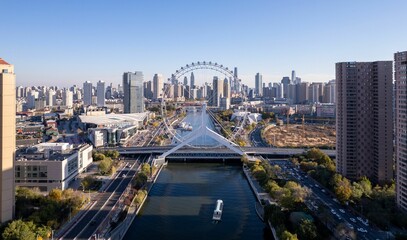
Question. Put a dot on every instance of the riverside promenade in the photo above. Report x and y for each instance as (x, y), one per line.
(121, 229)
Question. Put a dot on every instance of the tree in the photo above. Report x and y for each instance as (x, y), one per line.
(87, 182)
(307, 230)
(286, 235)
(357, 191)
(98, 157)
(139, 180)
(146, 169)
(19, 230)
(366, 185)
(342, 187)
(55, 194)
(105, 165)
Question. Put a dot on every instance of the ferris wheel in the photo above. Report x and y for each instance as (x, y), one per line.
(230, 133)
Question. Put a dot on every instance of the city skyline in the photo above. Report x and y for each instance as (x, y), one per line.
(82, 41)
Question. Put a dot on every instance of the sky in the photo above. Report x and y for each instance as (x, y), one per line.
(69, 42)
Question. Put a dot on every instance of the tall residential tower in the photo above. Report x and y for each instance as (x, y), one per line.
(400, 75)
(364, 122)
(7, 139)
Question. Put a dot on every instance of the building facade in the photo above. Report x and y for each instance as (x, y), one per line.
(100, 93)
(158, 85)
(258, 91)
(51, 165)
(133, 92)
(87, 93)
(8, 139)
(400, 75)
(364, 121)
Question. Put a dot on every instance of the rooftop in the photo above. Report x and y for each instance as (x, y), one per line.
(111, 119)
(2, 62)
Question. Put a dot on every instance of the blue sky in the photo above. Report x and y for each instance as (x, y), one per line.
(68, 42)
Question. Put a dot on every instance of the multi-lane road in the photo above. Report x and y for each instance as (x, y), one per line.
(87, 225)
(339, 213)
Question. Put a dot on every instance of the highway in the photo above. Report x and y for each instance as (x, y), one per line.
(256, 139)
(105, 201)
(339, 213)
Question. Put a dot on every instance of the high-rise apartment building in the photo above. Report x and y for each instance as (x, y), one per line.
(133, 92)
(400, 75)
(158, 85)
(100, 93)
(87, 93)
(67, 98)
(258, 90)
(364, 122)
(329, 92)
(7, 139)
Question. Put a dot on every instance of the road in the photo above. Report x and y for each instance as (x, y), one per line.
(256, 139)
(105, 201)
(340, 213)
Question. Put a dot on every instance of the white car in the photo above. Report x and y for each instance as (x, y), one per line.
(353, 220)
(333, 211)
(360, 219)
(124, 175)
(362, 230)
(341, 210)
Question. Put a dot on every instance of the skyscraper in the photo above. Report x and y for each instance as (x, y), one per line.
(400, 68)
(67, 98)
(293, 77)
(8, 139)
(192, 80)
(258, 85)
(87, 93)
(158, 86)
(185, 81)
(364, 122)
(217, 91)
(133, 92)
(100, 93)
(284, 84)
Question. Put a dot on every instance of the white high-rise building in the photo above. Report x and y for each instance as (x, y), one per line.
(158, 85)
(258, 85)
(67, 98)
(87, 93)
(100, 93)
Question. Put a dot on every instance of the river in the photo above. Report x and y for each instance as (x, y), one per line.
(181, 204)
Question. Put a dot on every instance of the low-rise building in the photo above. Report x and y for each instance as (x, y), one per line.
(50, 165)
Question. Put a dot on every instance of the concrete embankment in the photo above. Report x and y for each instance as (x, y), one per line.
(260, 194)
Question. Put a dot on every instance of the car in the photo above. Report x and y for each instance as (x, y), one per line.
(333, 211)
(124, 175)
(323, 190)
(360, 219)
(350, 226)
(335, 200)
(341, 210)
(352, 219)
(362, 230)
(366, 223)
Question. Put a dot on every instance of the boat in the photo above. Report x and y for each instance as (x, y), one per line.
(217, 213)
(184, 126)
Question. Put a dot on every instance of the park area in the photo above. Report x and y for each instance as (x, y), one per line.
(299, 136)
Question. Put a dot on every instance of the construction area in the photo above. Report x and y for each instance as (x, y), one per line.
(300, 136)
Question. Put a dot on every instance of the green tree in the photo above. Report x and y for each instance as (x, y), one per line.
(357, 191)
(139, 180)
(19, 230)
(342, 187)
(146, 169)
(307, 230)
(105, 165)
(88, 182)
(286, 235)
(98, 157)
(366, 185)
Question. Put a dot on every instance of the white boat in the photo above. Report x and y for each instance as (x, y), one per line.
(184, 126)
(217, 213)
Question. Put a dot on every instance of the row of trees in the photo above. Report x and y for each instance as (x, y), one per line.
(142, 176)
(376, 203)
(105, 159)
(38, 214)
(289, 196)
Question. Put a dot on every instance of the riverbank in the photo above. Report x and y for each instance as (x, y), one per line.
(261, 196)
(119, 232)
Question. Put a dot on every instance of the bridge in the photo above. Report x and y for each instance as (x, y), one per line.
(210, 152)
